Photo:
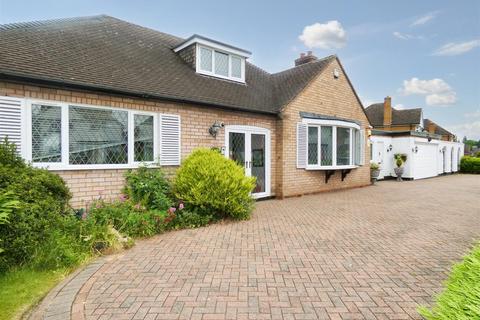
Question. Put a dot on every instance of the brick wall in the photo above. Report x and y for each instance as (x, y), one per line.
(324, 95)
(328, 96)
(87, 185)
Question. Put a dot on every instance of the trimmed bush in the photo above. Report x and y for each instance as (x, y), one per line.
(461, 297)
(214, 185)
(149, 187)
(470, 164)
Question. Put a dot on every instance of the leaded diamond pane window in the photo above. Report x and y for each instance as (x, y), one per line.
(46, 133)
(143, 138)
(98, 136)
(343, 146)
(221, 64)
(313, 145)
(236, 67)
(326, 146)
(205, 59)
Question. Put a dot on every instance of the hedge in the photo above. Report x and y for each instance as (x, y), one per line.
(470, 165)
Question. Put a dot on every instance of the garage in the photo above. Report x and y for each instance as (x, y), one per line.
(425, 162)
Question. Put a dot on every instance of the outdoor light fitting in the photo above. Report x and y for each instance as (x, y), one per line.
(216, 126)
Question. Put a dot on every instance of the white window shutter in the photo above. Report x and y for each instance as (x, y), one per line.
(169, 140)
(301, 145)
(11, 121)
(362, 147)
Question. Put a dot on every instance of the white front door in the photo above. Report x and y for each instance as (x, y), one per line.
(250, 148)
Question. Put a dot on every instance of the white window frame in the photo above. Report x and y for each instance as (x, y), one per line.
(334, 124)
(212, 73)
(64, 164)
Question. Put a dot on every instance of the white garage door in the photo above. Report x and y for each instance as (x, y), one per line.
(425, 165)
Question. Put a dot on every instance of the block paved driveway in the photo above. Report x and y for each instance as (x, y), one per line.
(368, 253)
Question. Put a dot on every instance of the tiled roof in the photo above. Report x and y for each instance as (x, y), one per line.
(106, 53)
(438, 129)
(407, 116)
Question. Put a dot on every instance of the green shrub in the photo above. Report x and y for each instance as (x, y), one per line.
(400, 159)
(461, 297)
(185, 219)
(470, 164)
(9, 156)
(7, 205)
(149, 187)
(42, 202)
(214, 184)
(133, 220)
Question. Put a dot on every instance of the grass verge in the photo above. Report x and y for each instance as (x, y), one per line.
(461, 297)
(22, 288)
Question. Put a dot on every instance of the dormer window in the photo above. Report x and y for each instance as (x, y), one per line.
(216, 59)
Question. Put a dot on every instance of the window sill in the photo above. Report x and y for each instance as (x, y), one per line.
(331, 167)
(61, 167)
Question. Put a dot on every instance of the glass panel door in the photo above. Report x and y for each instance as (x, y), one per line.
(236, 147)
(258, 161)
(250, 148)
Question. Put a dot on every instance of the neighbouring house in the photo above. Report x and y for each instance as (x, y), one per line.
(430, 149)
(92, 97)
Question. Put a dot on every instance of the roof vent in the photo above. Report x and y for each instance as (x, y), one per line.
(305, 58)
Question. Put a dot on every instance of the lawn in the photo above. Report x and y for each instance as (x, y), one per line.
(22, 288)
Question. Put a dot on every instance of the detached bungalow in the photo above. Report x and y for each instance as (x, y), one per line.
(92, 97)
(431, 150)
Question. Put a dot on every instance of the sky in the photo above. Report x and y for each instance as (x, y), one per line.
(421, 53)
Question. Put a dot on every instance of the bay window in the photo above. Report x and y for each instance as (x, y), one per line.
(329, 145)
(343, 146)
(63, 136)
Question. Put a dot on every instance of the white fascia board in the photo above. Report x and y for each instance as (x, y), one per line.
(337, 123)
(215, 45)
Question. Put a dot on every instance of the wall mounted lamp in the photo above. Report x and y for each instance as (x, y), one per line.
(215, 128)
(390, 147)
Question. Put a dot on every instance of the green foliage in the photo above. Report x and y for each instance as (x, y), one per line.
(149, 187)
(7, 205)
(42, 202)
(400, 159)
(374, 166)
(215, 185)
(191, 219)
(9, 156)
(461, 298)
(477, 154)
(470, 165)
(133, 220)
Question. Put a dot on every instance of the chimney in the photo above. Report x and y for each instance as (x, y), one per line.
(387, 111)
(431, 127)
(305, 58)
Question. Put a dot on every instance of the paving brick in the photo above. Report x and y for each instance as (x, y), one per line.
(369, 253)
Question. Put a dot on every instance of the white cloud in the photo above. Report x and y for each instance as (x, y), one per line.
(475, 114)
(469, 129)
(424, 19)
(406, 36)
(330, 35)
(436, 91)
(441, 99)
(454, 49)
